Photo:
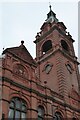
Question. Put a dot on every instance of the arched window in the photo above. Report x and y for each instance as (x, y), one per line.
(40, 112)
(64, 45)
(57, 116)
(46, 46)
(17, 109)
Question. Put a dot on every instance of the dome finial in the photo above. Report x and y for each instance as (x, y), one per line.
(22, 42)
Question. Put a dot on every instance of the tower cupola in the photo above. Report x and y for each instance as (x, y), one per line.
(51, 16)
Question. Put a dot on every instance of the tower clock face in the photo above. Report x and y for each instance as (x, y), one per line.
(48, 68)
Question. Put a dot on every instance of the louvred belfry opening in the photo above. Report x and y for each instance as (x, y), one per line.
(64, 45)
(46, 46)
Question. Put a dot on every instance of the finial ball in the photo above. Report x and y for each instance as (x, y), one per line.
(22, 42)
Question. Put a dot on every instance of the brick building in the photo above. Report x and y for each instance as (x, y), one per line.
(47, 87)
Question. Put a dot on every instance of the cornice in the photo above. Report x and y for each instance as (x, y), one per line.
(21, 58)
(55, 27)
(45, 57)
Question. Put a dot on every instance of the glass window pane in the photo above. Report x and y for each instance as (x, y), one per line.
(11, 113)
(18, 104)
(23, 115)
(12, 104)
(57, 116)
(39, 118)
(17, 114)
(40, 112)
(23, 108)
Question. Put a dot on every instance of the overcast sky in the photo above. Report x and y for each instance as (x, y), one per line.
(22, 20)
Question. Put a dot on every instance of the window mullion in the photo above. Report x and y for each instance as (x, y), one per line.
(18, 111)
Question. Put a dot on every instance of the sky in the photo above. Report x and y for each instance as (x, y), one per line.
(21, 20)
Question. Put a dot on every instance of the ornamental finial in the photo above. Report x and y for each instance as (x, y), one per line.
(22, 42)
(50, 6)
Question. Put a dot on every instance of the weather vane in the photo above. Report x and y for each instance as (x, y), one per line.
(50, 5)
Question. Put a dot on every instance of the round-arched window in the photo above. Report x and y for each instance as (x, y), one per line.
(57, 116)
(46, 46)
(40, 112)
(17, 109)
(64, 45)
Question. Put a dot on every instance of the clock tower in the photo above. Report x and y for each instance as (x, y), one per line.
(56, 60)
(47, 87)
